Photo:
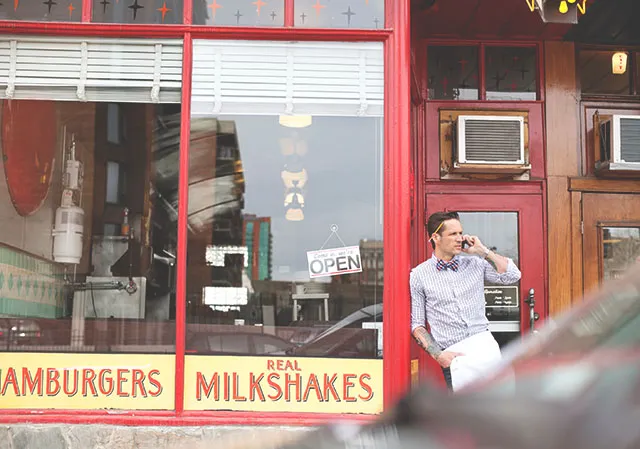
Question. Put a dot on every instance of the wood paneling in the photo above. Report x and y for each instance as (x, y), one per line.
(606, 208)
(576, 245)
(604, 185)
(562, 162)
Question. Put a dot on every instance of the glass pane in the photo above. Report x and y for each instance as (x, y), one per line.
(511, 73)
(339, 14)
(47, 11)
(262, 196)
(452, 73)
(258, 13)
(620, 250)
(137, 11)
(77, 273)
(499, 232)
(596, 75)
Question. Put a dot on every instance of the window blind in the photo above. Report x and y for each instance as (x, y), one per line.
(81, 69)
(269, 78)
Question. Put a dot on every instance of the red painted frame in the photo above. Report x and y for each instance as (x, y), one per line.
(397, 163)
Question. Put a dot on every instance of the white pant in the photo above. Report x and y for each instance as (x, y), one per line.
(481, 354)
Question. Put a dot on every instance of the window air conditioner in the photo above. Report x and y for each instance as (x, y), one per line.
(490, 144)
(619, 143)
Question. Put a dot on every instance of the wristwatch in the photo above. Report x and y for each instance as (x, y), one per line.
(486, 252)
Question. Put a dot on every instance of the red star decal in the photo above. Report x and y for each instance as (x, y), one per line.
(214, 8)
(259, 4)
(71, 9)
(16, 3)
(318, 7)
(164, 10)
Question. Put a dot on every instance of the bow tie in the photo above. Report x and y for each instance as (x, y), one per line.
(442, 265)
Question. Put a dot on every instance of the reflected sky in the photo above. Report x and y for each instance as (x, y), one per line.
(342, 157)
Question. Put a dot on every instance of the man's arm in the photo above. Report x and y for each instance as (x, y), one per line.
(505, 271)
(426, 341)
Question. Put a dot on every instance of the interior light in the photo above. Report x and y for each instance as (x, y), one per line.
(571, 1)
(295, 121)
(564, 8)
(619, 63)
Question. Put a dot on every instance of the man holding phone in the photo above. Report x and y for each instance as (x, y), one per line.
(447, 293)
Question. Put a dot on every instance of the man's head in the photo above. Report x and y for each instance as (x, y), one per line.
(445, 232)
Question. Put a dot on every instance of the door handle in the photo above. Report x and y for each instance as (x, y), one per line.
(533, 315)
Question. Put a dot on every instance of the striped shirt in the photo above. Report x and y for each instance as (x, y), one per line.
(452, 302)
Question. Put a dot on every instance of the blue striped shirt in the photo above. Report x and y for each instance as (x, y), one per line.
(453, 302)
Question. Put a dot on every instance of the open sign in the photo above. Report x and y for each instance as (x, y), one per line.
(332, 262)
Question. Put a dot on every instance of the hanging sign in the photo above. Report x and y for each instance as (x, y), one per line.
(333, 262)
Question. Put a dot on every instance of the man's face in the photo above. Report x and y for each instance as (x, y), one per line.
(449, 240)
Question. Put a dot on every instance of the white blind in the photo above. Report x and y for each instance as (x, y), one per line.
(265, 78)
(82, 69)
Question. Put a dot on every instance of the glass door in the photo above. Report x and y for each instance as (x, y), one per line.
(512, 226)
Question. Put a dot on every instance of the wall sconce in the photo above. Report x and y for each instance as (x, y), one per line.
(619, 63)
(295, 121)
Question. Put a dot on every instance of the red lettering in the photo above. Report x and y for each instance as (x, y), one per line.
(88, 379)
(270, 365)
(255, 387)
(295, 366)
(29, 383)
(121, 379)
(11, 379)
(281, 365)
(314, 384)
(102, 380)
(226, 387)
(270, 380)
(329, 387)
(236, 395)
(138, 383)
(53, 386)
(155, 383)
(288, 382)
(201, 384)
(366, 387)
(65, 382)
(347, 385)
(288, 365)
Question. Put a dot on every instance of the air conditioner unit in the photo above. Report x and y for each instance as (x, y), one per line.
(488, 144)
(619, 144)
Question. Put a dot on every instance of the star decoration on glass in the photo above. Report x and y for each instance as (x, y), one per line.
(318, 7)
(259, 4)
(303, 16)
(349, 14)
(237, 15)
(16, 3)
(71, 8)
(214, 6)
(164, 10)
(104, 4)
(49, 4)
(376, 21)
(135, 7)
(273, 16)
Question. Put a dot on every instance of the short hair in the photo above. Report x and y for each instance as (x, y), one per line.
(436, 221)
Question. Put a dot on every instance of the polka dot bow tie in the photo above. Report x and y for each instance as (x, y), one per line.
(442, 265)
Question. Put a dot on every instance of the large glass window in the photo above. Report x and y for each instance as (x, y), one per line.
(263, 13)
(87, 252)
(138, 11)
(595, 69)
(285, 251)
(339, 14)
(47, 11)
(620, 250)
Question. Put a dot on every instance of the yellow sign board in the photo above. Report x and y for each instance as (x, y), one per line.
(87, 381)
(266, 384)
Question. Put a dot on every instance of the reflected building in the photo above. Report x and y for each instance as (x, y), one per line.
(257, 238)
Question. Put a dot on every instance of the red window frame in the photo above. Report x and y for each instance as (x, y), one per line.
(397, 172)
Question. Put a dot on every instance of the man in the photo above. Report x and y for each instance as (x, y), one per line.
(447, 292)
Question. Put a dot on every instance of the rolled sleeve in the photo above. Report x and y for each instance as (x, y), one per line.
(511, 276)
(417, 302)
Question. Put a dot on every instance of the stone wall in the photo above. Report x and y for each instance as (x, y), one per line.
(98, 436)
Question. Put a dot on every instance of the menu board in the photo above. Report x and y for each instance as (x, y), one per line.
(501, 296)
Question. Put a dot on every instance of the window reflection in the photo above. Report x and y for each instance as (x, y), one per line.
(452, 73)
(87, 261)
(511, 73)
(238, 12)
(620, 250)
(47, 11)
(263, 195)
(339, 14)
(596, 75)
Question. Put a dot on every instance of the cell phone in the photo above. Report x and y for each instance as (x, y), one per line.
(465, 243)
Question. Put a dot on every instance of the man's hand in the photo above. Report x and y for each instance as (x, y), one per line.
(475, 248)
(446, 357)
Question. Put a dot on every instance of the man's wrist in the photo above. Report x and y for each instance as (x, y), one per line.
(484, 252)
(435, 353)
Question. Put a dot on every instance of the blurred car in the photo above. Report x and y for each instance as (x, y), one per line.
(574, 384)
(19, 332)
(236, 343)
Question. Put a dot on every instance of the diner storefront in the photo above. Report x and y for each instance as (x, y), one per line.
(210, 208)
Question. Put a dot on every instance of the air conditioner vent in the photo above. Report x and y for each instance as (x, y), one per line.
(490, 140)
(629, 140)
